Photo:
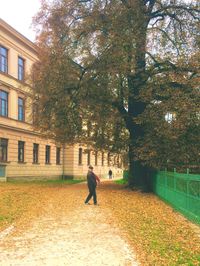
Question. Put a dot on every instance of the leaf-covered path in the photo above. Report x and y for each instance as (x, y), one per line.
(51, 225)
(68, 233)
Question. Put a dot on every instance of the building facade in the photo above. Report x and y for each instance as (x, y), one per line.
(24, 153)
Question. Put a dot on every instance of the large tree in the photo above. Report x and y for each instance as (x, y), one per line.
(121, 67)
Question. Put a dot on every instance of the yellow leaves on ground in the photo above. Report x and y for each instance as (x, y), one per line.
(16, 200)
(158, 234)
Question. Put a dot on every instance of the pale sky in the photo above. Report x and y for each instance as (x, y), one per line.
(19, 13)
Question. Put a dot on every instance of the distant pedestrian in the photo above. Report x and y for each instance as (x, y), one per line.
(92, 181)
(110, 174)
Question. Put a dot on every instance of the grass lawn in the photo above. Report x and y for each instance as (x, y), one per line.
(58, 182)
(121, 181)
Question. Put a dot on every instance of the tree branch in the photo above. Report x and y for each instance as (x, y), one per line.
(167, 35)
(189, 10)
(125, 115)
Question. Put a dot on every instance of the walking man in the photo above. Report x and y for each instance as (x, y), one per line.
(92, 180)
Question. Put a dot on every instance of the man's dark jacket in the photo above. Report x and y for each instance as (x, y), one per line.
(91, 179)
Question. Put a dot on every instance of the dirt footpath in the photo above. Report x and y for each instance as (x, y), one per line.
(76, 234)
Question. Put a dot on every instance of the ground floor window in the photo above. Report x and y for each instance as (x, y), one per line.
(88, 157)
(21, 145)
(80, 156)
(35, 152)
(96, 158)
(109, 155)
(3, 150)
(57, 155)
(47, 154)
(102, 159)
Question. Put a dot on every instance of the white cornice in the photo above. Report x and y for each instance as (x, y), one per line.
(25, 131)
(17, 86)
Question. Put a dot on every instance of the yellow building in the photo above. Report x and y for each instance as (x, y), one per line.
(24, 153)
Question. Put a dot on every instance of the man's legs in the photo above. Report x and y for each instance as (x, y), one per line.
(94, 196)
(89, 195)
(92, 193)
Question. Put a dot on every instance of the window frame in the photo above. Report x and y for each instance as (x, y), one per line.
(80, 156)
(21, 69)
(109, 159)
(47, 154)
(21, 107)
(3, 150)
(35, 153)
(5, 57)
(102, 158)
(96, 158)
(88, 157)
(5, 101)
(21, 147)
(58, 157)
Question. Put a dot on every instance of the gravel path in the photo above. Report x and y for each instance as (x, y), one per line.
(86, 235)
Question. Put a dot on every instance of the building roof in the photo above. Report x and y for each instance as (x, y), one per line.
(4, 26)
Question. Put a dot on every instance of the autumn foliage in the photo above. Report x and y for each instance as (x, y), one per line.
(126, 70)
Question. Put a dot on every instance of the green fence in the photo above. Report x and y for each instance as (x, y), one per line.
(182, 191)
(125, 174)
